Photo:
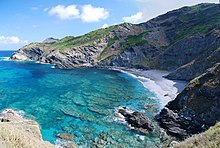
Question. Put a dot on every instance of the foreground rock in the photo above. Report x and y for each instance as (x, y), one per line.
(136, 120)
(17, 132)
(196, 108)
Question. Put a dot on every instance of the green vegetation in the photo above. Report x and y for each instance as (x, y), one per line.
(208, 139)
(195, 21)
(194, 10)
(84, 40)
(199, 7)
(146, 62)
(106, 52)
(135, 40)
(111, 41)
(63, 43)
(131, 40)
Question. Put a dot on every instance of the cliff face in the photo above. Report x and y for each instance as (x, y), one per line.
(86, 50)
(196, 108)
(175, 41)
(18, 132)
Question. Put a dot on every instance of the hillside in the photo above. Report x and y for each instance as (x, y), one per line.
(173, 41)
(196, 108)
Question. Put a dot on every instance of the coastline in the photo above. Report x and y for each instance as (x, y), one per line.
(164, 89)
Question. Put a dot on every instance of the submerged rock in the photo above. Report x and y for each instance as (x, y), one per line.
(68, 145)
(65, 136)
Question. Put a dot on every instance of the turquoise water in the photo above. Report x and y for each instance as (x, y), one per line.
(80, 102)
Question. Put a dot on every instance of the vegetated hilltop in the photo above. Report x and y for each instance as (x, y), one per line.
(177, 41)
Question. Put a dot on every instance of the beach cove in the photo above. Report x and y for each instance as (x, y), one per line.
(85, 108)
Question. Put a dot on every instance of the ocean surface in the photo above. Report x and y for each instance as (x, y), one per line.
(81, 102)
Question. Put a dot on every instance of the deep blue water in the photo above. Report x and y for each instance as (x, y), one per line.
(78, 101)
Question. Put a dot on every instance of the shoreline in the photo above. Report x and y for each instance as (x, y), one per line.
(165, 90)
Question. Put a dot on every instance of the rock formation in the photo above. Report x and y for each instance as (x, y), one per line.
(16, 131)
(196, 108)
(135, 120)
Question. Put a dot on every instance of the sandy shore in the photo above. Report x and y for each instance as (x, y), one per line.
(165, 89)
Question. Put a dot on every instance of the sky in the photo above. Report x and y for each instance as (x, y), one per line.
(26, 21)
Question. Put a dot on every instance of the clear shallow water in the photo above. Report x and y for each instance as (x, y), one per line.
(80, 102)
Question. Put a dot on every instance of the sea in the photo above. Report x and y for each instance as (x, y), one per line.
(81, 102)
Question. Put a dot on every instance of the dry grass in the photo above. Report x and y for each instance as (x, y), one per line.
(208, 139)
(21, 133)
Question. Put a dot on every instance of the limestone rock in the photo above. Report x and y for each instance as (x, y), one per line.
(16, 131)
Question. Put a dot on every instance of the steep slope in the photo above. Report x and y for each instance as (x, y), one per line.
(167, 42)
(178, 37)
(79, 51)
(196, 108)
(209, 138)
(204, 49)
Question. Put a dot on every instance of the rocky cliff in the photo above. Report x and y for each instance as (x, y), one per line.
(17, 132)
(177, 41)
(196, 108)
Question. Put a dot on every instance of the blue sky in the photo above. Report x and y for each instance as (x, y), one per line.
(25, 21)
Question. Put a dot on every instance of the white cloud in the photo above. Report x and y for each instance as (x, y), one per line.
(64, 13)
(87, 14)
(105, 26)
(153, 8)
(11, 40)
(136, 18)
(93, 14)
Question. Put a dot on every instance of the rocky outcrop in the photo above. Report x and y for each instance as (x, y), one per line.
(50, 40)
(135, 120)
(82, 51)
(16, 131)
(196, 108)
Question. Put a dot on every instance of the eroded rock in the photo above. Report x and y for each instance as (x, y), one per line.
(136, 120)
